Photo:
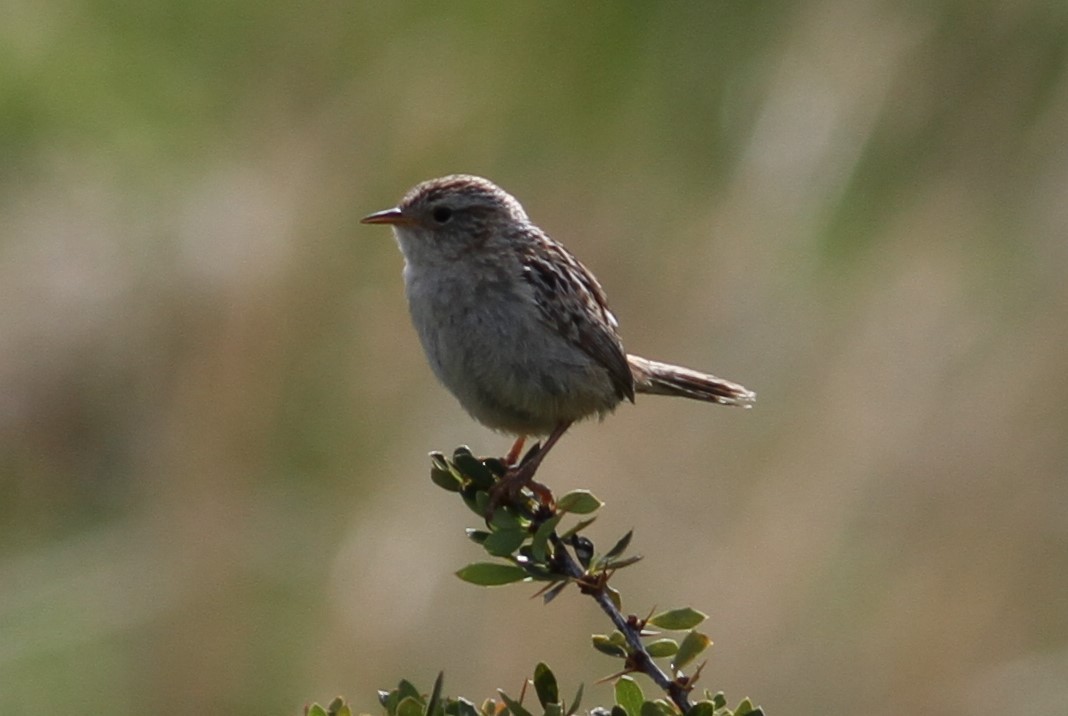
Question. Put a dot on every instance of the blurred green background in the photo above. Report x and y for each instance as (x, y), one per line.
(214, 416)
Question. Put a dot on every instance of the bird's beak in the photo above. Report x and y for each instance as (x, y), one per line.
(392, 216)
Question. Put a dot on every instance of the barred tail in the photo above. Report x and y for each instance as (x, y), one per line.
(663, 379)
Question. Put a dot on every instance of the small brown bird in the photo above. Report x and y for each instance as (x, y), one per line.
(514, 325)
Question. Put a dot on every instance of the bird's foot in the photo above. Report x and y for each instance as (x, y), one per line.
(509, 489)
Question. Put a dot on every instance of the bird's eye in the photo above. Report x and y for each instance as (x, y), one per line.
(441, 214)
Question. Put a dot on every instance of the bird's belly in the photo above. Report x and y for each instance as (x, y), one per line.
(505, 365)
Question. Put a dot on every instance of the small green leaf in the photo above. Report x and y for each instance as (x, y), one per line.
(720, 700)
(477, 536)
(614, 595)
(545, 685)
(554, 592)
(692, 645)
(472, 468)
(465, 707)
(629, 695)
(406, 689)
(620, 546)
(445, 479)
(409, 706)
(662, 647)
(575, 703)
(579, 502)
(435, 695)
(618, 710)
(606, 645)
(383, 698)
(504, 519)
(496, 466)
(491, 574)
(534, 570)
(745, 708)
(678, 619)
(621, 563)
(315, 710)
(514, 706)
(702, 708)
(657, 708)
(503, 543)
(470, 497)
(540, 544)
(577, 528)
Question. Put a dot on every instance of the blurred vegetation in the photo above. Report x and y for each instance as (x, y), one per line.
(214, 416)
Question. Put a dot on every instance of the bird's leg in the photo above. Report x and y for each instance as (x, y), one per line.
(512, 458)
(522, 475)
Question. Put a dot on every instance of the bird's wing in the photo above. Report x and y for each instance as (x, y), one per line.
(573, 303)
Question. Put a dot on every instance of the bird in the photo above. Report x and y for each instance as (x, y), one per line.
(515, 326)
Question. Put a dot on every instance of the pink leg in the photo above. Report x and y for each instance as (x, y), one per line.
(528, 468)
(521, 476)
(513, 455)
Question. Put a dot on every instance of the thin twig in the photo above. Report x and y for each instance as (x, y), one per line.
(639, 656)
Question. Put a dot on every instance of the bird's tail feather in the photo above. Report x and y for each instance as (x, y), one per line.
(657, 378)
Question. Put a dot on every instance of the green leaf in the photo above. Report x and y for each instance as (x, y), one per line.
(503, 543)
(383, 698)
(657, 708)
(435, 695)
(607, 645)
(618, 710)
(540, 544)
(692, 645)
(662, 647)
(629, 695)
(577, 528)
(702, 708)
(477, 536)
(445, 479)
(720, 700)
(575, 703)
(514, 706)
(579, 502)
(472, 468)
(554, 592)
(678, 619)
(614, 595)
(504, 519)
(744, 708)
(625, 562)
(409, 706)
(496, 466)
(471, 495)
(315, 710)
(491, 574)
(465, 707)
(545, 685)
(406, 689)
(620, 546)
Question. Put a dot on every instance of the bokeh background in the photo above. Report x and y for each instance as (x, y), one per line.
(214, 416)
